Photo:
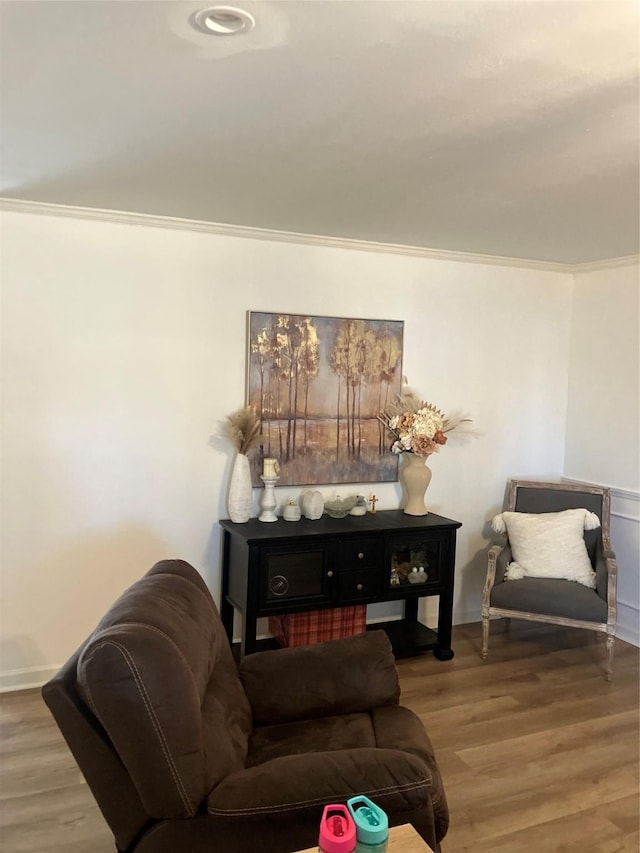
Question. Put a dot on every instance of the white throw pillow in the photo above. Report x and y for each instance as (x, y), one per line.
(549, 544)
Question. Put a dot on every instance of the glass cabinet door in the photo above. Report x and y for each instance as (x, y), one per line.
(413, 564)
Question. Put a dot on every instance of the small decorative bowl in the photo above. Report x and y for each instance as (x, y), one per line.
(338, 508)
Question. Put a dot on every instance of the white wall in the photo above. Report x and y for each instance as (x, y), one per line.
(603, 415)
(124, 346)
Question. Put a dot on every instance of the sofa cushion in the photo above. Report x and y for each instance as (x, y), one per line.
(392, 728)
(337, 677)
(326, 734)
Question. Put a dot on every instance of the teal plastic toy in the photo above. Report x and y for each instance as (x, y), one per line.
(372, 825)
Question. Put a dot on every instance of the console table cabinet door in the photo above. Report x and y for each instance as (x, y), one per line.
(294, 575)
(427, 554)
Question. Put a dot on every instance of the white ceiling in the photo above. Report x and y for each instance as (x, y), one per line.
(506, 128)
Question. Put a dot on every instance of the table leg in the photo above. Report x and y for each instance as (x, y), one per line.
(226, 615)
(248, 643)
(411, 609)
(443, 650)
(226, 608)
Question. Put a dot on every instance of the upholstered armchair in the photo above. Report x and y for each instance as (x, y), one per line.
(183, 752)
(549, 538)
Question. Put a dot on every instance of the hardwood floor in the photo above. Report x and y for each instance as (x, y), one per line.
(537, 751)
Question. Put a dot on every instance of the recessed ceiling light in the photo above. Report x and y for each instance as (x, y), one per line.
(223, 21)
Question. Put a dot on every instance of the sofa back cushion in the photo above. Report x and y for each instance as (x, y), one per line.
(346, 676)
(159, 676)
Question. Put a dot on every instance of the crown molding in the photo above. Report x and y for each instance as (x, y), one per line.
(248, 232)
(610, 263)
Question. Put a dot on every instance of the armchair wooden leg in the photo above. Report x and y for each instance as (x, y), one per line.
(485, 637)
(608, 668)
(507, 622)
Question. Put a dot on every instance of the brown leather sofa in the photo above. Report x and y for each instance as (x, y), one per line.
(186, 754)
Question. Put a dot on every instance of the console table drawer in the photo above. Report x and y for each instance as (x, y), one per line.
(358, 585)
(357, 553)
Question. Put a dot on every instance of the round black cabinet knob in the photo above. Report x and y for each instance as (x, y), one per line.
(279, 585)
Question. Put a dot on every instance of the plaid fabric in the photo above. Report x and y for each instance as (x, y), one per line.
(316, 626)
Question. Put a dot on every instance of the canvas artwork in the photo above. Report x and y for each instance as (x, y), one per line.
(318, 384)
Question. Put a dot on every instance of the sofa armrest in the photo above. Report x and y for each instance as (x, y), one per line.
(291, 784)
(337, 677)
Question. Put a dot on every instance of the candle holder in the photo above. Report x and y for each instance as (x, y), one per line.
(271, 467)
(268, 500)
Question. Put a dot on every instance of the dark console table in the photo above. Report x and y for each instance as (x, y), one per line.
(293, 566)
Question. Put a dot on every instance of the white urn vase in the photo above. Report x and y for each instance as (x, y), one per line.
(240, 490)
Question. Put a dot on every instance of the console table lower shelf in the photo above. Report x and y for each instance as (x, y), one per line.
(296, 567)
(407, 640)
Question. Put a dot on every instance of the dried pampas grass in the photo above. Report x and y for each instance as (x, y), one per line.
(242, 428)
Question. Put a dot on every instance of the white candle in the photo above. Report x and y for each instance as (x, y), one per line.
(270, 468)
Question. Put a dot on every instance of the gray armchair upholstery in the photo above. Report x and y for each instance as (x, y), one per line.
(559, 602)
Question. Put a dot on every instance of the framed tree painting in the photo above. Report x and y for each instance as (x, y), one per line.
(318, 384)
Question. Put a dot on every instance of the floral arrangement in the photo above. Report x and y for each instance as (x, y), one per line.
(417, 426)
(242, 428)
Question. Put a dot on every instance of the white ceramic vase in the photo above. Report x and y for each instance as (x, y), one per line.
(240, 490)
(415, 477)
(313, 505)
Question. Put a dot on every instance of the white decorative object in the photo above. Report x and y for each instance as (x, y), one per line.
(268, 501)
(313, 505)
(291, 511)
(242, 429)
(240, 490)
(417, 575)
(271, 468)
(360, 506)
(549, 544)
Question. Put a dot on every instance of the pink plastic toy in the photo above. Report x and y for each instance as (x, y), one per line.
(337, 830)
